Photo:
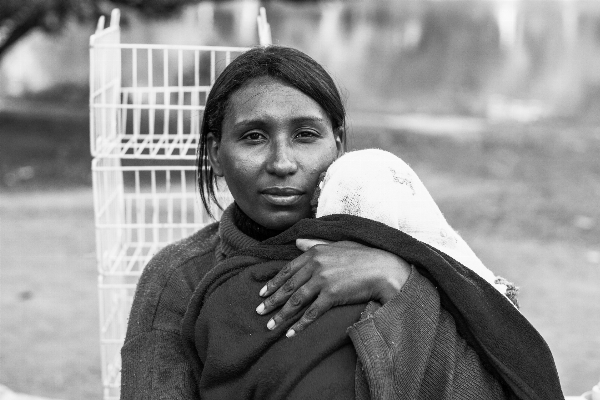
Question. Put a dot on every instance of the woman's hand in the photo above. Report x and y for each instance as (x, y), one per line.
(328, 275)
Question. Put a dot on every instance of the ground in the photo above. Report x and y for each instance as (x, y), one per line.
(525, 197)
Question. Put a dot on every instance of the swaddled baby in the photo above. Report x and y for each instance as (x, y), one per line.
(377, 185)
(234, 355)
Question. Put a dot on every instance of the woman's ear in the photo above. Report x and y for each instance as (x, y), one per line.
(214, 145)
(340, 140)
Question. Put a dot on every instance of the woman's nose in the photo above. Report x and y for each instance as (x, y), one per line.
(281, 160)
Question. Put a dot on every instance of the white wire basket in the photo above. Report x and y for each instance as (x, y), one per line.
(146, 101)
(146, 105)
(138, 209)
(141, 209)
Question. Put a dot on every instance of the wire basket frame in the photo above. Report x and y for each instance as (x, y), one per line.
(146, 106)
(143, 208)
(146, 101)
(140, 209)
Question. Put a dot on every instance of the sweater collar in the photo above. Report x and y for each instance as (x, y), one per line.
(232, 238)
(251, 228)
(238, 231)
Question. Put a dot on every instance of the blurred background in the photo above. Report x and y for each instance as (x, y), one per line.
(494, 103)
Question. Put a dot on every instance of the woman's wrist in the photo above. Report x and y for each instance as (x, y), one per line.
(395, 275)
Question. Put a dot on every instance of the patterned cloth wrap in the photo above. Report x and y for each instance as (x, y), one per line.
(378, 185)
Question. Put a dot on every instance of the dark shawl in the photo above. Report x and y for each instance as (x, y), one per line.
(508, 345)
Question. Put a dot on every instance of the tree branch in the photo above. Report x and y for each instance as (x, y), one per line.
(21, 27)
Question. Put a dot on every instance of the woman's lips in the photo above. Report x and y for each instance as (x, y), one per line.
(282, 196)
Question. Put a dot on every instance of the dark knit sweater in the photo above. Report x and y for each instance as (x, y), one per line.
(407, 349)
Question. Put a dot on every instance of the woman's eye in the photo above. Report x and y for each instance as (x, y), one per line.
(254, 136)
(307, 134)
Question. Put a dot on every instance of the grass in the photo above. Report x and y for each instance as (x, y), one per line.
(49, 336)
(524, 197)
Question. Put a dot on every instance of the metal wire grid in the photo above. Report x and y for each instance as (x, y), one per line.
(142, 209)
(146, 104)
(115, 302)
(139, 210)
(146, 101)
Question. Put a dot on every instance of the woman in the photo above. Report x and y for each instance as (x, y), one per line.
(273, 122)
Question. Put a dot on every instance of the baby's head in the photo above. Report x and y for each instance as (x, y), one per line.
(377, 185)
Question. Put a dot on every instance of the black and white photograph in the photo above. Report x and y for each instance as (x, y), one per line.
(299, 199)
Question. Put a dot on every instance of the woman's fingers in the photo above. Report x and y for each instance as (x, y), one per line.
(284, 284)
(291, 287)
(283, 276)
(305, 244)
(298, 301)
(318, 308)
(292, 267)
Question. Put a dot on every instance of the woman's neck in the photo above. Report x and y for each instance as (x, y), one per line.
(248, 226)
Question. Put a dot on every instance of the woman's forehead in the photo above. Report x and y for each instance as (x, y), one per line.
(270, 98)
(264, 89)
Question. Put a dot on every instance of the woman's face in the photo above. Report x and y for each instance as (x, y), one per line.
(275, 142)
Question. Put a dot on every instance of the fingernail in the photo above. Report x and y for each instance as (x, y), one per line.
(261, 308)
(290, 333)
(263, 291)
(271, 324)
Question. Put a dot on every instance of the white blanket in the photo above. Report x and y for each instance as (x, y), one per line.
(377, 185)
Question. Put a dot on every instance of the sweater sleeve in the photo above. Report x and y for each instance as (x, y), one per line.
(154, 362)
(410, 349)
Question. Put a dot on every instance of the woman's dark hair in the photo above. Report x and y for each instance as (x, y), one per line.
(288, 65)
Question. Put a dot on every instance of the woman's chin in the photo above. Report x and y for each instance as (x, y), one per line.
(281, 219)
